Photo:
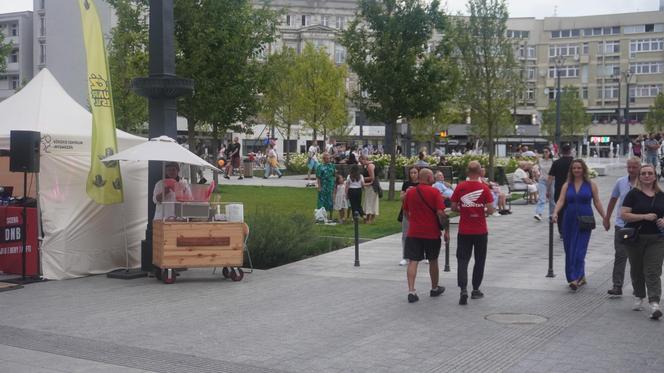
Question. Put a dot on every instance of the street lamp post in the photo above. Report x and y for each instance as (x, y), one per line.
(619, 139)
(628, 76)
(558, 62)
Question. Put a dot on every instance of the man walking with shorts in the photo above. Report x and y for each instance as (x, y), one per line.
(421, 206)
(472, 199)
(620, 190)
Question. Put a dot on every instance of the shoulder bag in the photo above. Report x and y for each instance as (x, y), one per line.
(586, 222)
(631, 234)
(443, 220)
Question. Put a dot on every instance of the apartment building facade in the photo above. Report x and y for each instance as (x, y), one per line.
(17, 30)
(601, 56)
(58, 42)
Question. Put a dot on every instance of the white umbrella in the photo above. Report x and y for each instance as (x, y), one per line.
(162, 148)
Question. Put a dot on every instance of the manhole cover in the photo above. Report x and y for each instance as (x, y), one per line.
(515, 318)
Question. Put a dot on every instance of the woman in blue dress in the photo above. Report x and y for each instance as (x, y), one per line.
(576, 194)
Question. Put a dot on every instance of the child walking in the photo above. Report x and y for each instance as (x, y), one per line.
(354, 185)
(340, 198)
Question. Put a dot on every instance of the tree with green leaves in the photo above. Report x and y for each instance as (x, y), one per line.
(280, 92)
(486, 57)
(5, 49)
(128, 59)
(387, 48)
(574, 120)
(655, 119)
(217, 42)
(321, 101)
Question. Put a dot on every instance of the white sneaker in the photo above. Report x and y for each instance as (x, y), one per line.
(638, 304)
(655, 312)
(538, 217)
(495, 214)
(403, 262)
(426, 261)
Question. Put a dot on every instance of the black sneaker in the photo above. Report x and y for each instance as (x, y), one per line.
(227, 177)
(280, 176)
(437, 291)
(476, 294)
(616, 291)
(412, 298)
(240, 178)
(463, 299)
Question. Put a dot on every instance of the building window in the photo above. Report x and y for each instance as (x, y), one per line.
(339, 55)
(611, 70)
(530, 94)
(609, 92)
(646, 45)
(14, 82)
(42, 53)
(599, 31)
(584, 93)
(341, 20)
(518, 34)
(13, 29)
(608, 47)
(643, 68)
(565, 71)
(563, 50)
(573, 33)
(646, 90)
(531, 73)
(324, 20)
(585, 48)
(289, 20)
(42, 4)
(306, 20)
(42, 26)
(13, 57)
(532, 52)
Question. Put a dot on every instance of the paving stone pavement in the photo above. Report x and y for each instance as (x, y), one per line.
(325, 315)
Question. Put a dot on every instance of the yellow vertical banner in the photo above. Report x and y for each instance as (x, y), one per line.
(104, 184)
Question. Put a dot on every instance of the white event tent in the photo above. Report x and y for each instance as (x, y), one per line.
(80, 236)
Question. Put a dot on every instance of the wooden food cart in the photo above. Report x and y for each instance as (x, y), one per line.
(178, 245)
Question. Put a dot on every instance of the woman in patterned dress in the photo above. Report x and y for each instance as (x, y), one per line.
(325, 179)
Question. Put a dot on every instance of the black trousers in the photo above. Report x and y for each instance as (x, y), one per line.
(355, 199)
(465, 245)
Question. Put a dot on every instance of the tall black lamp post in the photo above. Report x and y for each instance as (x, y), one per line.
(162, 88)
(619, 139)
(628, 77)
(558, 62)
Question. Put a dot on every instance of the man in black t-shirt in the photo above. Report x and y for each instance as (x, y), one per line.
(233, 159)
(559, 173)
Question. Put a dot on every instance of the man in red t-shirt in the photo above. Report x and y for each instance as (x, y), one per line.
(421, 205)
(472, 199)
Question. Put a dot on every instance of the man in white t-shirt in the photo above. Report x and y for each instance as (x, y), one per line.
(312, 160)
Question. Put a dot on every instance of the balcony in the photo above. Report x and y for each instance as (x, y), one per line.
(13, 67)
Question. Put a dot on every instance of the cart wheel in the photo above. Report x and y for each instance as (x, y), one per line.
(157, 273)
(237, 274)
(225, 272)
(168, 276)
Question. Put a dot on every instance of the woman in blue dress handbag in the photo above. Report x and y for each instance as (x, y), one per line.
(578, 221)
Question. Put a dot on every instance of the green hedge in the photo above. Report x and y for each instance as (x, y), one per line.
(277, 238)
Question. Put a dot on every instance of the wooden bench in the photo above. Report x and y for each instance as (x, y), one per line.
(511, 188)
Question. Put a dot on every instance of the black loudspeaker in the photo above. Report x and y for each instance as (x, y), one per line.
(24, 151)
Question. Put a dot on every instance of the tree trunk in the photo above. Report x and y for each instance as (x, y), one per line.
(215, 137)
(287, 147)
(191, 134)
(392, 149)
(491, 152)
(315, 140)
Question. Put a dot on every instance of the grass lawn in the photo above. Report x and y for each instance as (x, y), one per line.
(289, 200)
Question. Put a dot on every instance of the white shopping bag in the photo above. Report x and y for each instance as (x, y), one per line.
(320, 215)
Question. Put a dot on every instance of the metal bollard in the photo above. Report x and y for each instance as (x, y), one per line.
(550, 273)
(356, 221)
(447, 256)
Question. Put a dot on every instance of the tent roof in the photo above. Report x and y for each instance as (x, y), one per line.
(44, 106)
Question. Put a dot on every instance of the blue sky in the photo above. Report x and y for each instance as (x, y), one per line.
(517, 8)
